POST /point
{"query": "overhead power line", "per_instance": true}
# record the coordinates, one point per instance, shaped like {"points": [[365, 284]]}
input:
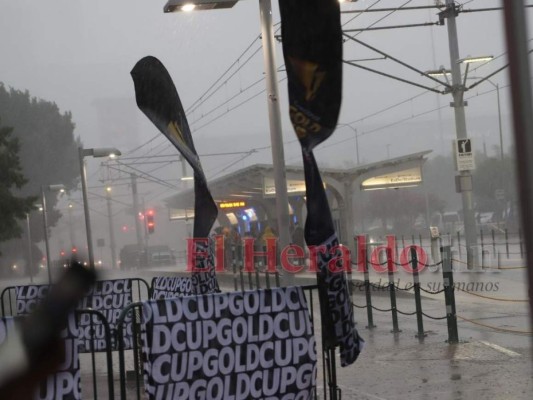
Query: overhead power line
{"points": [[379, 28]]}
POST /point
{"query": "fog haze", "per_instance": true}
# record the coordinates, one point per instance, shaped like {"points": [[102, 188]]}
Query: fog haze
{"points": [[79, 54]]}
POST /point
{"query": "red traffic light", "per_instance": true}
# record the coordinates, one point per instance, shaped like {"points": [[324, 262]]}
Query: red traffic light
{"points": [[150, 224]]}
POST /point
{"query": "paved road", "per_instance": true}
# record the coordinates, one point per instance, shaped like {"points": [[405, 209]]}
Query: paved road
{"points": [[492, 360]]}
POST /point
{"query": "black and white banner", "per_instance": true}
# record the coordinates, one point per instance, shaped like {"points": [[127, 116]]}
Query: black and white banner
{"points": [[109, 297], [239, 345], [312, 48], [167, 287], [158, 99], [28, 297], [65, 383]]}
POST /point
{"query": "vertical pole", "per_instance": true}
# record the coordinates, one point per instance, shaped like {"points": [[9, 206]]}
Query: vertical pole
{"points": [[482, 248], [449, 295], [356, 146], [499, 119], [111, 231], [278, 157], [136, 215], [71, 230], [459, 244], [392, 292], [519, 241], [520, 77], [83, 172], [46, 242], [30, 253], [364, 256], [460, 126], [507, 243], [418, 300]]}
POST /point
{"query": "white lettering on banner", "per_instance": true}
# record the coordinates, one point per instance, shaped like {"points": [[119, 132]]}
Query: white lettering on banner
{"points": [[333, 290], [164, 287], [109, 297], [240, 345], [27, 297]]}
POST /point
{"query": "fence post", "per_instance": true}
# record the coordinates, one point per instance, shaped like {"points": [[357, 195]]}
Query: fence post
{"points": [[368, 293], [507, 243], [449, 295], [234, 275], [418, 300], [520, 241], [392, 291], [459, 244]]}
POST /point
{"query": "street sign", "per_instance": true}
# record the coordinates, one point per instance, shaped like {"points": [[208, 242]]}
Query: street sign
{"points": [[464, 154]]}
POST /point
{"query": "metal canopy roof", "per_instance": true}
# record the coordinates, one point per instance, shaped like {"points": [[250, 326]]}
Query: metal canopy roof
{"points": [[247, 183]]}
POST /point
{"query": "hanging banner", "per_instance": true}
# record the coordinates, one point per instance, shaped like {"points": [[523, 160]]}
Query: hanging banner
{"points": [[167, 287], [312, 49], [158, 99], [239, 345], [66, 382]]}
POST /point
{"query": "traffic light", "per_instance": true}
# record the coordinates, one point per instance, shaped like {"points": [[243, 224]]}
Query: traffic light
{"points": [[150, 224]]}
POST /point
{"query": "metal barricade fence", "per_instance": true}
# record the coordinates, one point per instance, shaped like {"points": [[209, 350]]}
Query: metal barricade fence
{"points": [[8, 300], [92, 373], [109, 375], [132, 381], [387, 265]]}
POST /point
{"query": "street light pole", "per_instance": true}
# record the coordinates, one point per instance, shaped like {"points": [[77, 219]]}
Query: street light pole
{"points": [[276, 137], [111, 229], [86, 212], [30, 253], [136, 215], [460, 126], [356, 140], [499, 118], [82, 153], [46, 244]]}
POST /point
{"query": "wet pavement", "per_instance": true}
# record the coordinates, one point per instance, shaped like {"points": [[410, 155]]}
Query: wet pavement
{"points": [[491, 361]]}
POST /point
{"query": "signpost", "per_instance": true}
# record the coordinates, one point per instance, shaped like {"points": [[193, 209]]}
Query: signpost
{"points": [[464, 155]]}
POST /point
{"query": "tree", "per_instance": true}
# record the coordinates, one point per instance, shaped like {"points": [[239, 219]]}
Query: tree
{"points": [[495, 186], [400, 207], [12, 208], [48, 154]]}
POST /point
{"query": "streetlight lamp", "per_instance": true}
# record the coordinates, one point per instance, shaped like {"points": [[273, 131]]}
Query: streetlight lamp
{"points": [[110, 152], [276, 140], [59, 188], [469, 60]]}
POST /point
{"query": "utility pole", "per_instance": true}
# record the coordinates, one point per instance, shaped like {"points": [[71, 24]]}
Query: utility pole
{"points": [[136, 215], [276, 137], [458, 104], [71, 231], [30, 253], [112, 244]]}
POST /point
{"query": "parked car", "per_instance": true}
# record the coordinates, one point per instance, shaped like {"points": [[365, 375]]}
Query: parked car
{"points": [[161, 255]]}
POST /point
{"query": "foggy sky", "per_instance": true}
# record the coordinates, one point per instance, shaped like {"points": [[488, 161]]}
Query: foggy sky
{"points": [[79, 55]]}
